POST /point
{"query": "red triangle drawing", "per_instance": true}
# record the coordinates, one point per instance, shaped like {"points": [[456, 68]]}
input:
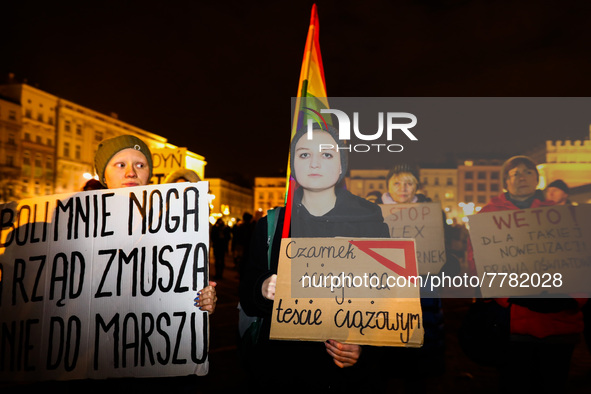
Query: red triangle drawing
{"points": [[410, 262]]}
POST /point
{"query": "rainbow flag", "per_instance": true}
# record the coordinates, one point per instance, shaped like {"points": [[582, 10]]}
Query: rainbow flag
{"points": [[311, 96]]}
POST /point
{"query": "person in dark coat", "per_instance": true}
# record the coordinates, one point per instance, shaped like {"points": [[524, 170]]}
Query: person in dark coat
{"points": [[219, 242], [320, 209], [543, 331], [403, 183]]}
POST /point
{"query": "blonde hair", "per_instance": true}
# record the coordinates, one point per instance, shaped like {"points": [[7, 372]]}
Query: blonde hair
{"points": [[405, 177]]}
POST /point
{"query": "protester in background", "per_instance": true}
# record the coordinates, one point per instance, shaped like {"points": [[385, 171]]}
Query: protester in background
{"points": [[373, 196], [457, 243], [558, 192], [403, 183], [182, 175], [92, 184], [219, 242], [319, 209], [126, 161], [241, 234], [543, 331]]}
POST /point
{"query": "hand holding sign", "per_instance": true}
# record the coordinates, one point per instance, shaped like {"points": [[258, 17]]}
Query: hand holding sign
{"points": [[268, 288], [343, 354], [207, 298]]}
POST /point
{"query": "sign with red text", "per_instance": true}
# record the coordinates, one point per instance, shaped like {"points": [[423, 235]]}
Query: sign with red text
{"points": [[422, 222], [533, 251], [359, 291], [101, 284]]}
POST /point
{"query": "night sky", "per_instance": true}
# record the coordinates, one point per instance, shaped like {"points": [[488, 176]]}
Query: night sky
{"points": [[218, 77]]}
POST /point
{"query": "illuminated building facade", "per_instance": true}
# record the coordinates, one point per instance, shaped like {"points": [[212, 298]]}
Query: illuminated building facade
{"points": [[269, 192], [567, 160], [364, 182], [50, 142], [478, 181], [10, 149], [441, 184], [228, 201]]}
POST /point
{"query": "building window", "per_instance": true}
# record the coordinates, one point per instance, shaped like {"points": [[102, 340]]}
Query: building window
{"points": [[481, 199], [494, 175], [469, 175], [450, 181], [10, 161], [67, 126], [481, 175], [39, 140], [66, 149], [98, 136], [38, 160], [469, 187], [77, 153], [28, 114], [425, 181], [436, 181], [481, 187], [469, 198], [11, 140], [49, 142], [26, 158], [12, 114], [50, 120], [40, 117], [494, 187], [27, 136], [78, 129], [48, 166], [37, 188]]}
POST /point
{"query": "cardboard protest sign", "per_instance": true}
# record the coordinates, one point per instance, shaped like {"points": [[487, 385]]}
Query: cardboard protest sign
{"points": [[166, 161], [359, 291], [533, 251], [101, 284], [424, 223]]}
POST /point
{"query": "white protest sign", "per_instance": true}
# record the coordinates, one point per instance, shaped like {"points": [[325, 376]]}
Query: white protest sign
{"points": [[166, 161], [101, 284], [424, 223], [361, 291], [530, 251]]}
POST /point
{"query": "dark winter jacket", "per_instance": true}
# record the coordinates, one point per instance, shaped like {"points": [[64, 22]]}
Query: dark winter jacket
{"points": [[351, 216]]}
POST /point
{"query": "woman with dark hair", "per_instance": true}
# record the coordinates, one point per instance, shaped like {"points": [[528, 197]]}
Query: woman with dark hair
{"points": [[320, 209], [543, 331]]}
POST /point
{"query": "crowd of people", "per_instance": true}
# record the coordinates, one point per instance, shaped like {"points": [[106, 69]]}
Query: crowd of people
{"points": [[542, 333]]}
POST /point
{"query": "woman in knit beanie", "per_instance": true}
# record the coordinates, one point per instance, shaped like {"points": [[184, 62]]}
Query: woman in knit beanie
{"points": [[123, 161], [126, 161]]}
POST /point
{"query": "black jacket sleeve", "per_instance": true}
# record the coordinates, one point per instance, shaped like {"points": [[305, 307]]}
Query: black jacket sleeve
{"points": [[255, 269]]}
